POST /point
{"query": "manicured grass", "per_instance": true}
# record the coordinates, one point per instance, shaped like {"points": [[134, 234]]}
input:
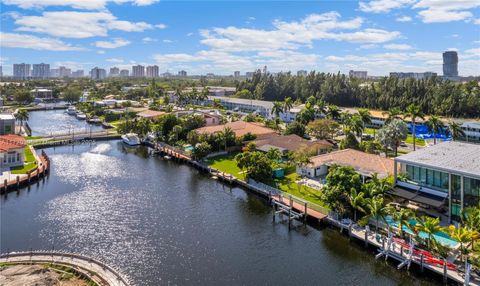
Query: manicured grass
{"points": [[418, 141], [227, 164], [30, 163], [34, 137], [369, 131]]}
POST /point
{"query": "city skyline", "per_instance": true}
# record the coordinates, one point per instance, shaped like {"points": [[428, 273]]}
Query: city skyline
{"points": [[379, 37]]}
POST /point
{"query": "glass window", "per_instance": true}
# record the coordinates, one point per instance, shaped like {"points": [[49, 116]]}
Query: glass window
{"points": [[471, 192]]}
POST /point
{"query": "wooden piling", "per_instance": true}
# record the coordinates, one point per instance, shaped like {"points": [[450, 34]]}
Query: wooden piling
{"points": [[305, 213], [445, 277], [421, 263], [366, 239]]}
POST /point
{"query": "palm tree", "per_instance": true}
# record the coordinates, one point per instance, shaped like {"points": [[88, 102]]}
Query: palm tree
{"points": [[274, 154], [228, 136], [287, 104], [365, 116], [356, 125], [435, 125], [357, 201], [414, 112], [462, 235], [22, 115], [429, 226], [377, 210], [455, 130], [333, 111], [393, 113], [402, 218], [277, 108], [321, 107]]}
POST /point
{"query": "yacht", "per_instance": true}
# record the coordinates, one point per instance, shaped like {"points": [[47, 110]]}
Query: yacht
{"points": [[131, 139], [81, 116], [71, 110]]}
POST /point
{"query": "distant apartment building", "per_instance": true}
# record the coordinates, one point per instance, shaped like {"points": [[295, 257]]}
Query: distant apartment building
{"points": [[114, 72], [40, 71], [236, 73], [249, 74], [21, 71], [302, 73], [77, 74], [210, 74], [97, 73], [166, 74], [358, 74], [54, 73], [414, 75], [64, 72], [450, 64], [1, 71], [124, 73], [182, 73], [152, 71], [138, 71]]}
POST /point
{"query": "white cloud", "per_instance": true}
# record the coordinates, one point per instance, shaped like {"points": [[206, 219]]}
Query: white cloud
{"points": [[77, 4], [368, 46], [148, 40], [115, 60], [12, 40], [72, 24], [190, 34], [397, 47], [438, 11], [161, 26], [382, 6], [442, 16], [404, 19], [167, 41], [477, 21], [100, 52], [116, 43]]}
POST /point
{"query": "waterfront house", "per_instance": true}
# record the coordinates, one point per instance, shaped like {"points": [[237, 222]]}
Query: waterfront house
{"points": [[12, 149], [42, 93], [7, 124], [445, 177], [292, 143], [364, 164], [240, 128], [151, 114]]}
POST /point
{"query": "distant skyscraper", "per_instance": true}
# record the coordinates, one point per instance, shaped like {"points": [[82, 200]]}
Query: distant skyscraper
{"points": [[152, 71], [182, 73], [64, 72], [114, 72], [138, 71], [98, 73], [54, 73], [302, 73], [236, 73], [78, 73], [124, 73], [41, 71], [249, 74], [450, 64], [358, 74], [1, 71], [21, 71]]}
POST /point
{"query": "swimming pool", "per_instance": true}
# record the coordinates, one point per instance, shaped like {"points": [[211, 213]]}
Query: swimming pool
{"points": [[441, 237]]}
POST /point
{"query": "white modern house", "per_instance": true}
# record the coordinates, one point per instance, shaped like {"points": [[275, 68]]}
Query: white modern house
{"points": [[445, 177], [472, 130]]}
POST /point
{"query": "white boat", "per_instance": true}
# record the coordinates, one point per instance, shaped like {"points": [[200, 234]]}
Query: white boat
{"points": [[131, 139], [166, 157], [95, 120], [71, 110], [81, 116]]}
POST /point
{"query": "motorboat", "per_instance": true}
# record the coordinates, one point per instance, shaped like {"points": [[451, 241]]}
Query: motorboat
{"points": [[95, 120], [71, 110], [81, 116], [131, 139]]}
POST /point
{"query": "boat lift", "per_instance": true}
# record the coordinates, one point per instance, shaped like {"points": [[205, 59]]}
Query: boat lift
{"points": [[281, 208]]}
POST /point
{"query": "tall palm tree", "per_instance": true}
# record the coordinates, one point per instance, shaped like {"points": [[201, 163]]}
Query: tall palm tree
{"points": [[393, 113], [402, 218], [435, 125], [356, 125], [333, 112], [462, 235], [429, 226], [274, 154], [413, 111], [357, 201], [228, 136], [277, 108], [321, 107], [365, 116], [287, 104], [22, 115], [376, 209], [455, 130]]}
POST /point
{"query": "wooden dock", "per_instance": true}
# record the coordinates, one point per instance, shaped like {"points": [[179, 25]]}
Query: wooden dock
{"points": [[301, 207]]}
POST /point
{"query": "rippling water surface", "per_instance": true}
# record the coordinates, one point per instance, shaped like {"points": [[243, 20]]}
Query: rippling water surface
{"points": [[49, 122], [166, 224]]}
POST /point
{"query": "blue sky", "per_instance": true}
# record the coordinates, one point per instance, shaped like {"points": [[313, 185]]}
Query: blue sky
{"points": [[223, 36]]}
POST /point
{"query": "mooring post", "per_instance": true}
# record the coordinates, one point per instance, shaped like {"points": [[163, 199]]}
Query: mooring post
{"points": [[421, 263], [366, 238], [5, 182], [289, 218], [401, 250], [305, 215], [18, 181], [274, 207], [29, 175], [383, 243], [350, 231], [445, 277]]}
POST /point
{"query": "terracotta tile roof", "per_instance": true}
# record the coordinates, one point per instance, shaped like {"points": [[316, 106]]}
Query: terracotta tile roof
{"points": [[151, 113], [291, 142], [362, 162], [239, 127], [11, 141]]}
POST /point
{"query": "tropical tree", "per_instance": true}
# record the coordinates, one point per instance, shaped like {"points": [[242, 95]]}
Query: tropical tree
{"points": [[435, 125], [274, 154], [414, 111], [333, 112], [455, 130], [295, 127], [321, 107], [287, 104], [376, 210], [392, 134], [201, 150], [462, 235], [341, 182], [323, 128], [357, 201], [23, 96], [256, 164], [429, 226], [402, 217], [365, 117], [22, 115], [277, 108], [392, 113]]}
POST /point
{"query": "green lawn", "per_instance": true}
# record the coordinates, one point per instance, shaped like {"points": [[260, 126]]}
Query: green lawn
{"points": [[33, 137], [30, 163], [418, 141], [227, 164]]}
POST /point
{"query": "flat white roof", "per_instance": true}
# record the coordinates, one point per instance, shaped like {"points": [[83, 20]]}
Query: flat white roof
{"points": [[262, 103], [7, 116], [451, 156]]}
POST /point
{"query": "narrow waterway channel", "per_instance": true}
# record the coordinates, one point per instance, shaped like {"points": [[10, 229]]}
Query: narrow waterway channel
{"points": [[163, 223]]}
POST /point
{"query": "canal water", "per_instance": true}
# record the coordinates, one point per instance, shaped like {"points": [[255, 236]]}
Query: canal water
{"points": [[164, 223], [51, 122]]}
